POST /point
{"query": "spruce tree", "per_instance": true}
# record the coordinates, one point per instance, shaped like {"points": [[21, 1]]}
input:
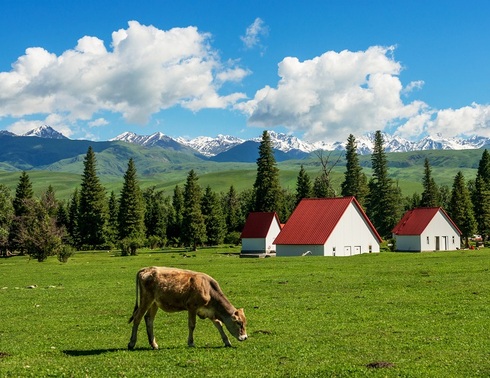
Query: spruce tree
{"points": [[461, 210], [92, 209], [112, 219], [22, 200], [303, 185], [355, 181], [267, 191], [72, 226], [233, 212], [430, 195], [174, 230], [131, 209], [193, 226], [23, 192], [157, 215], [384, 202], [6, 216], [214, 218], [480, 196]]}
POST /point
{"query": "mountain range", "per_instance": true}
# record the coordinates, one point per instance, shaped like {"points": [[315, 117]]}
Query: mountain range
{"points": [[226, 148]]}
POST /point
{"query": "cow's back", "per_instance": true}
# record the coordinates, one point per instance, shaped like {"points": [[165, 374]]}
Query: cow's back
{"points": [[175, 289]]}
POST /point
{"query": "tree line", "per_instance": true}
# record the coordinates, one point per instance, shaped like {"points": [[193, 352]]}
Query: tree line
{"points": [[193, 216]]}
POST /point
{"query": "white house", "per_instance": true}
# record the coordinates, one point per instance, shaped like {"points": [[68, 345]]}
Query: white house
{"points": [[259, 232], [327, 227], [426, 229]]}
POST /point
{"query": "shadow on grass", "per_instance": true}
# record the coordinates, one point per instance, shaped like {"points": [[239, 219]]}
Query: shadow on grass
{"points": [[96, 352], [91, 352]]}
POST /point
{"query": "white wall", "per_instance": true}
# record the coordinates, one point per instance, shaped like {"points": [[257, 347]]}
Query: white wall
{"points": [[438, 227], [253, 244], [351, 236], [408, 243], [263, 244], [298, 250]]}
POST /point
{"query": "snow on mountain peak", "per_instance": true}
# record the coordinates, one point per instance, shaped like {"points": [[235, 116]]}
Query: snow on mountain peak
{"points": [[45, 131]]}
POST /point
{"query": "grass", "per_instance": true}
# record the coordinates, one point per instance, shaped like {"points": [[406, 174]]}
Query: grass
{"points": [[380, 315]]}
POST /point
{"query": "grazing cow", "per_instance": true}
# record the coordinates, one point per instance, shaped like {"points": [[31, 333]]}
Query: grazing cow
{"points": [[173, 290]]}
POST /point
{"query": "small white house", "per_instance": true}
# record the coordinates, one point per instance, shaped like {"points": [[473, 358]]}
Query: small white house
{"points": [[259, 232], [426, 229], [328, 227]]}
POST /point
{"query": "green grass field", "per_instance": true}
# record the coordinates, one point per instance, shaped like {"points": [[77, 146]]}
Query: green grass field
{"points": [[378, 315]]}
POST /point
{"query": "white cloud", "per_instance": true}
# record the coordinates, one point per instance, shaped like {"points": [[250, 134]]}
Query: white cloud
{"points": [[98, 122], [147, 70], [465, 121], [253, 33], [333, 95], [55, 121]]}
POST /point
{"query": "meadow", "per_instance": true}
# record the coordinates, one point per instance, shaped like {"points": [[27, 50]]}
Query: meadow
{"points": [[374, 315]]}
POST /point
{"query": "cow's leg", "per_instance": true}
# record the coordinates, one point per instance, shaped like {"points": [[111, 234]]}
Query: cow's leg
{"points": [[137, 316], [149, 317], [219, 325], [192, 325]]}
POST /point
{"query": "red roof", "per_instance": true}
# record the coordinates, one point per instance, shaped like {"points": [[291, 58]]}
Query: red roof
{"points": [[416, 220], [258, 225], [314, 219]]}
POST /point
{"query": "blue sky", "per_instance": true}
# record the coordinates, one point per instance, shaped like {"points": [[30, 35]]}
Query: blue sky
{"points": [[320, 70]]}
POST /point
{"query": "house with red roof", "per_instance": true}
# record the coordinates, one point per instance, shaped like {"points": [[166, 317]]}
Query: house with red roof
{"points": [[426, 229], [328, 227], [259, 232]]}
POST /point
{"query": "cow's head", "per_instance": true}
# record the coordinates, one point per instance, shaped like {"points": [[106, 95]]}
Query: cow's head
{"points": [[236, 324]]}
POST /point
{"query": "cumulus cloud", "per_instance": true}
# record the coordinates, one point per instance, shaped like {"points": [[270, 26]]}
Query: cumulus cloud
{"points": [[333, 95], [253, 33], [145, 71], [55, 121]]}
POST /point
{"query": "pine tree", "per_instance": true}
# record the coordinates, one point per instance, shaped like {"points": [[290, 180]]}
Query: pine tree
{"points": [[22, 200], [193, 226], [48, 200], [303, 185], [72, 226], [384, 201], [112, 219], [157, 215], [92, 209], [23, 192], [430, 195], [267, 191], [214, 218], [355, 181], [131, 214], [233, 212], [480, 196], [6, 216], [461, 210], [174, 229]]}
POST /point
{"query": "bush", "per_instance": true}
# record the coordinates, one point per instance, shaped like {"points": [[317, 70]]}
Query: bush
{"points": [[65, 253], [233, 238], [129, 246]]}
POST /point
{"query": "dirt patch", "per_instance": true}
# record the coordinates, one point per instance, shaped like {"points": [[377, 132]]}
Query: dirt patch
{"points": [[380, 365], [4, 354]]}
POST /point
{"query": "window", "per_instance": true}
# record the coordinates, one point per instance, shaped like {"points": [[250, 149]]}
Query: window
{"points": [[453, 239], [428, 240]]}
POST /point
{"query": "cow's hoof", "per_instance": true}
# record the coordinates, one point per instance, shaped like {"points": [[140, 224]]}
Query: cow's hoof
{"points": [[155, 346], [130, 347]]}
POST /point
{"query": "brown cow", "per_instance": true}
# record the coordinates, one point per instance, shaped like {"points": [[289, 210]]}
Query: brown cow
{"points": [[173, 290]]}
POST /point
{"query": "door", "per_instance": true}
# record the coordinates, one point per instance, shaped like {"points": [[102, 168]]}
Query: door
{"points": [[347, 251], [438, 243], [357, 250]]}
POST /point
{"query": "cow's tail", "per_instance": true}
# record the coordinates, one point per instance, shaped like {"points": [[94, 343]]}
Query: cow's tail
{"points": [[137, 295]]}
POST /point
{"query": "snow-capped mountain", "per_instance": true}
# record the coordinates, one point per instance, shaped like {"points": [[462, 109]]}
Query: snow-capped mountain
{"points": [[289, 144], [45, 131], [208, 146]]}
